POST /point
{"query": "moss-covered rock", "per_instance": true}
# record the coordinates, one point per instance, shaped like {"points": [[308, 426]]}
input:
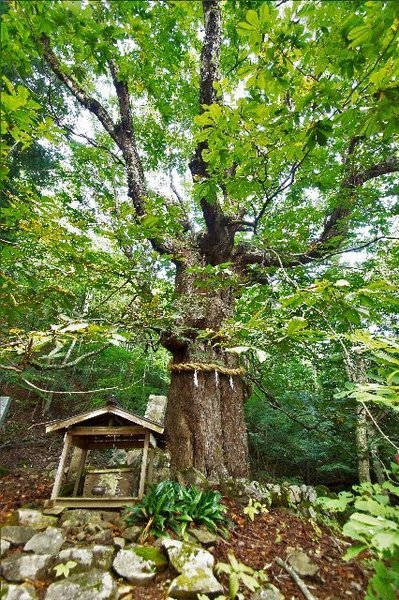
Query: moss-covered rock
{"points": [[192, 477], [194, 581], [134, 568], [9, 591], [153, 554], [34, 518], [16, 534], [94, 585], [184, 554]]}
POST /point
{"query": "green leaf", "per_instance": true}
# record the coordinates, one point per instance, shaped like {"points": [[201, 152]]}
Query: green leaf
{"points": [[296, 324], [234, 585], [264, 14], [354, 551], [386, 539], [252, 18], [64, 568]]}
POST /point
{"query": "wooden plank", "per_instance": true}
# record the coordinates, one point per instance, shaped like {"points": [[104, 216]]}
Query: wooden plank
{"points": [[75, 419], [128, 430], [92, 444], [144, 465], [79, 502], [80, 472], [131, 417], [147, 423], [61, 466], [150, 475], [153, 441], [111, 470]]}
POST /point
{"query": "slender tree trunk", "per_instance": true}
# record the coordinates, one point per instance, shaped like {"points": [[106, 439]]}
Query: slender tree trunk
{"points": [[374, 452], [357, 374], [362, 448]]}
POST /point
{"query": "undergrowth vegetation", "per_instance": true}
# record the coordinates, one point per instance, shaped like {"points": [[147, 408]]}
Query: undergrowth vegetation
{"points": [[170, 505], [372, 512]]}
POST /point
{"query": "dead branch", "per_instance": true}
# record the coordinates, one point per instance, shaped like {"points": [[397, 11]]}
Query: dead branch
{"points": [[300, 583]]}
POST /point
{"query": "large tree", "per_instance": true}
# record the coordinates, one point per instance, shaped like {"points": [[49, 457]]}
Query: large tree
{"points": [[284, 114]]}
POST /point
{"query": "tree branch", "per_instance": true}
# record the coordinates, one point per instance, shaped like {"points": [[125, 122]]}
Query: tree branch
{"points": [[80, 94], [218, 241], [127, 143], [72, 363], [335, 225], [300, 583], [210, 56]]}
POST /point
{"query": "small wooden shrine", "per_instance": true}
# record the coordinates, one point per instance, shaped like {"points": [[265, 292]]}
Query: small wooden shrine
{"points": [[106, 427]]}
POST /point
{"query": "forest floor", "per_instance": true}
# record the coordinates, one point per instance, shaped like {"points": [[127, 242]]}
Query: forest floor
{"points": [[257, 544]]}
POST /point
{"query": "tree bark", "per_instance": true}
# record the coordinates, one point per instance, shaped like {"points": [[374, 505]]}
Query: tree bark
{"points": [[362, 448], [205, 415], [357, 374]]}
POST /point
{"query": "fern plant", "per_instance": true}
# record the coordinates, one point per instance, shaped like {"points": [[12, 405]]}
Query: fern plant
{"points": [[169, 505]]}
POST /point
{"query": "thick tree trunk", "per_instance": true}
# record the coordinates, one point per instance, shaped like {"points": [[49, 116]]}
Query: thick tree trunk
{"points": [[205, 417]]}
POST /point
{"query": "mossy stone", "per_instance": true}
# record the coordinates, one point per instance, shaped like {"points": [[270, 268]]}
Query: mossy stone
{"points": [[153, 554], [195, 581]]}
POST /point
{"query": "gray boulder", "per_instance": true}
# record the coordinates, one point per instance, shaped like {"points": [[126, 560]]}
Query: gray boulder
{"points": [[83, 557], [26, 566], [183, 554], [87, 559], [204, 537], [302, 564], [4, 546], [94, 585], [194, 581], [34, 518], [139, 564], [17, 592], [131, 534], [16, 535], [46, 542], [269, 592]]}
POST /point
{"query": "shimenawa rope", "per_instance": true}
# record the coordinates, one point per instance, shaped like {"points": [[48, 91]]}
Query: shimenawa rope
{"points": [[206, 368]]}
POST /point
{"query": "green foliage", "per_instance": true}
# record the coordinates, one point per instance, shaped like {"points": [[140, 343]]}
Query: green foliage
{"points": [[239, 575], [374, 525], [64, 568], [254, 507], [168, 505]]}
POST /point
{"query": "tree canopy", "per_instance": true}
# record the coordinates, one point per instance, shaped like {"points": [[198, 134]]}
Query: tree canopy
{"points": [[193, 174]]}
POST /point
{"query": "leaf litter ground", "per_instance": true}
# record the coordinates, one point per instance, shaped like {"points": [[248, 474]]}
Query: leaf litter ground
{"points": [[257, 544]]}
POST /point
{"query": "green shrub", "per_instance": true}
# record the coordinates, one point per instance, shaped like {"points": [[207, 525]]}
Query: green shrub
{"points": [[169, 505], [374, 525]]}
